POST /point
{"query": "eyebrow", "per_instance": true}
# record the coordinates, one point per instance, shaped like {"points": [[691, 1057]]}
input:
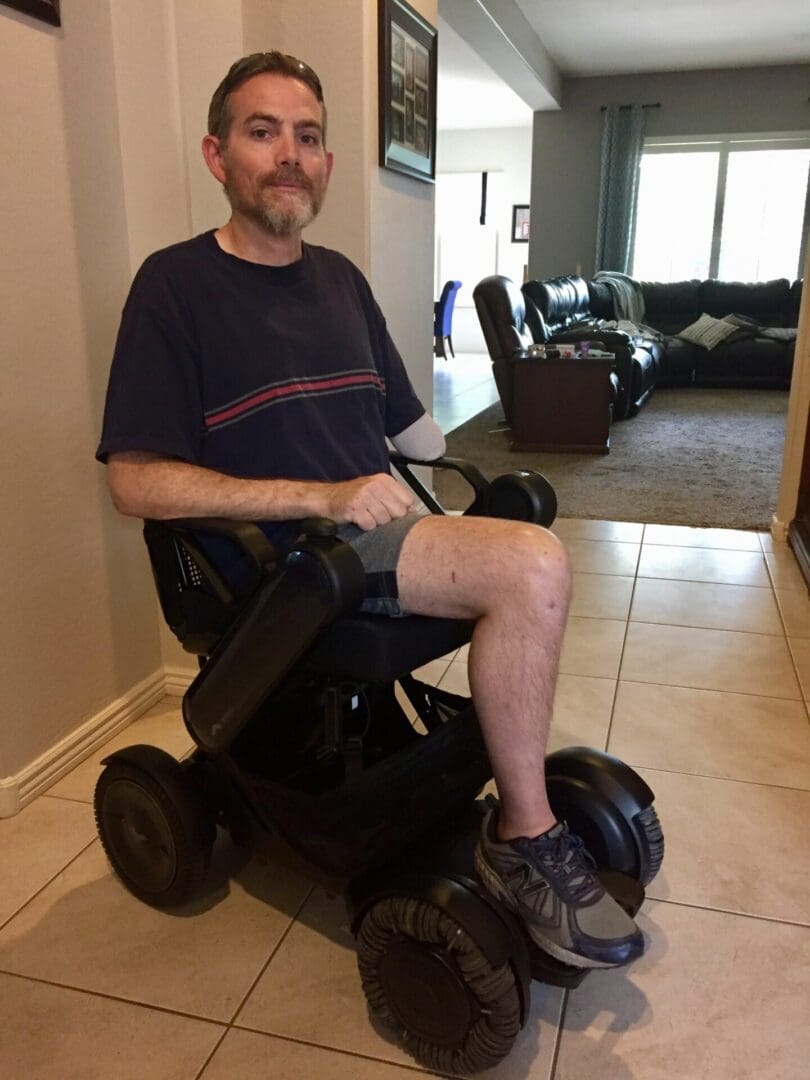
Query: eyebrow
{"points": [[271, 119]]}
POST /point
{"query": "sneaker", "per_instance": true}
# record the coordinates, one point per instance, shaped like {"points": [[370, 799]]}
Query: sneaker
{"points": [[550, 882]]}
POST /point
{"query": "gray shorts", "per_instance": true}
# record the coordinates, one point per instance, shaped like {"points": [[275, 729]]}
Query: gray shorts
{"points": [[379, 552]]}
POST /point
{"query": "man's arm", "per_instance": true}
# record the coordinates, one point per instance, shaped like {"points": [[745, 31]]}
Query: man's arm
{"points": [[149, 486]]}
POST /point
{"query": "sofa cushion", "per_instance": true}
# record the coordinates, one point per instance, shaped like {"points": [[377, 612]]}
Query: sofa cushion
{"points": [[561, 300], [601, 300], [708, 332], [676, 366], [768, 302], [754, 362], [671, 305]]}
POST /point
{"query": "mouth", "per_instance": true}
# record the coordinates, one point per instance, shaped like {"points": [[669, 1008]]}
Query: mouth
{"points": [[288, 183]]}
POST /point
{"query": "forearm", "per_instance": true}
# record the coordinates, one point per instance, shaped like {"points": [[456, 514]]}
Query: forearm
{"points": [[146, 486]]}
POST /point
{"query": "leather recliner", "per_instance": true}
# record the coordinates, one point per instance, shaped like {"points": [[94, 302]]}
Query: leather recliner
{"points": [[502, 314], [558, 312]]}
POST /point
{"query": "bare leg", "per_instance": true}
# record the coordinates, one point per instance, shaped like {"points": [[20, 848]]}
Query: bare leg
{"points": [[515, 580]]}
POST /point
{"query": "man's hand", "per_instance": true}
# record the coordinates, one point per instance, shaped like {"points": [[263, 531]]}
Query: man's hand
{"points": [[368, 501]]}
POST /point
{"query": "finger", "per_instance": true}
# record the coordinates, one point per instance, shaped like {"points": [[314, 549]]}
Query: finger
{"points": [[364, 520]]}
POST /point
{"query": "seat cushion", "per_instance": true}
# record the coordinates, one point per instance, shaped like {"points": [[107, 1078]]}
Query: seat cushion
{"points": [[669, 306], [751, 362], [376, 648], [767, 302]]}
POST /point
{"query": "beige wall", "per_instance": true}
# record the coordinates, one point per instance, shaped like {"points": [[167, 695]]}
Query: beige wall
{"points": [[78, 626], [102, 166]]}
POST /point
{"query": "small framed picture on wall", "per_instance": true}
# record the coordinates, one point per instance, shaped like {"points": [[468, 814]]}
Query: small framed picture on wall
{"points": [[520, 224]]}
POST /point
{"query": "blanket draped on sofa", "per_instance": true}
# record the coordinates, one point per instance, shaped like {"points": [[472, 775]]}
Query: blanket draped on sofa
{"points": [[628, 298]]}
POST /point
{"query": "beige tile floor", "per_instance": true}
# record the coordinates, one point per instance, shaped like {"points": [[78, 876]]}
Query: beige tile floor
{"points": [[688, 655]]}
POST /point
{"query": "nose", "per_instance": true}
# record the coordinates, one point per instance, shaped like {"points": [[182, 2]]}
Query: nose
{"points": [[287, 148]]}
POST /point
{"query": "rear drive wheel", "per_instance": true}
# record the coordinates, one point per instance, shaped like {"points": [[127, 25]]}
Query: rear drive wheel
{"points": [[156, 831]]}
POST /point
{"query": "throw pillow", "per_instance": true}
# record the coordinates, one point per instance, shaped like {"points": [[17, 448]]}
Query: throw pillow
{"points": [[707, 332]]}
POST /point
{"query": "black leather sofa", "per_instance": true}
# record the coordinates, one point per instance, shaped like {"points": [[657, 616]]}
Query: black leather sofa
{"points": [[759, 355]]}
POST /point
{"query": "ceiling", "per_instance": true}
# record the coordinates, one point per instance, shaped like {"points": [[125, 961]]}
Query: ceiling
{"points": [[470, 94], [600, 37]]}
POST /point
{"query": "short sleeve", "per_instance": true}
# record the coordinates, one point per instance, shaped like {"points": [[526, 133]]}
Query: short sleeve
{"points": [[154, 400]]}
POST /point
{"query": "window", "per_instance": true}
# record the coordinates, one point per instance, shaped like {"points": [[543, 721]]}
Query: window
{"points": [[728, 208]]}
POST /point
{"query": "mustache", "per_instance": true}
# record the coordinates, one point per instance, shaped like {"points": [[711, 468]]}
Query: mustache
{"points": [[290, 175]]}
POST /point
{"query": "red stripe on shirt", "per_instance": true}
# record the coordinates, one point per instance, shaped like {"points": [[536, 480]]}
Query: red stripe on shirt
{"points": [[293, 388]]}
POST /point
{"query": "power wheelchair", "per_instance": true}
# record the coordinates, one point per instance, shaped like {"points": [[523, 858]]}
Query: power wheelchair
{"points": [[304, 747]]}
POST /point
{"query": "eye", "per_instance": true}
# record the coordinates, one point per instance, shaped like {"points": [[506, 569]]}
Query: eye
{"points": [[260, 133], [310, 139]]}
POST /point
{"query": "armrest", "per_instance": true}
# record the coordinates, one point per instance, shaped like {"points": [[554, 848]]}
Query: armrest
{"points": [[245, 534], [473, 475]]}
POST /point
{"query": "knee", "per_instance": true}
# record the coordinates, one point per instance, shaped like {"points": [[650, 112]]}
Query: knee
{"points": [[539, 568]]}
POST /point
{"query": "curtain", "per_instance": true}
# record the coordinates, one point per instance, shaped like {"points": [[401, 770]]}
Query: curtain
{"points": [[622, 140]]}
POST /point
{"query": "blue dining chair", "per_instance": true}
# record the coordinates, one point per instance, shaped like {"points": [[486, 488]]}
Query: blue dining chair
{"points": [[443, 319]]}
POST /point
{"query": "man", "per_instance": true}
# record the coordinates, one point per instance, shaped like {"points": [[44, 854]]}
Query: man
{"points": [[254, 379]]}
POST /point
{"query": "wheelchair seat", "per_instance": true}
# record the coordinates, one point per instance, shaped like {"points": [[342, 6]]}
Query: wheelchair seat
{"points": [[200, 606]]}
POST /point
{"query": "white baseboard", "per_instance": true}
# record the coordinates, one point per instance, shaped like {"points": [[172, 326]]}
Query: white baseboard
{"points": [[177, 680], [779, 529], [19, 790]]}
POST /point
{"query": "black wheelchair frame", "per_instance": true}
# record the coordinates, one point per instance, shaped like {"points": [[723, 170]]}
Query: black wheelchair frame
{"points": [[301, 738]]}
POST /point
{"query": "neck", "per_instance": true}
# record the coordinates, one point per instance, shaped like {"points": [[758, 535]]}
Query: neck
{"points": [[248, 240]]}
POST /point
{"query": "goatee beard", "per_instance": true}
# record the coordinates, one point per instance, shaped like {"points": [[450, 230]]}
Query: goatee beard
{"points": [[286, 216]]}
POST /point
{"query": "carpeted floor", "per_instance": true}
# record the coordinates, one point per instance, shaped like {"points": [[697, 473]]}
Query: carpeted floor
{"points": [[691, 457]]}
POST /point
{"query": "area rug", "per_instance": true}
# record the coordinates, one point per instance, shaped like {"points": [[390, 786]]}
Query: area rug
{"points": [[691, 457]]}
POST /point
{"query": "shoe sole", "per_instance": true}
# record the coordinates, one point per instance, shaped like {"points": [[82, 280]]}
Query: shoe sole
{"points": [[499, 890]]}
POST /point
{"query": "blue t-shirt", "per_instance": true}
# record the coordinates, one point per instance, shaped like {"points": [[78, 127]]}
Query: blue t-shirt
{"points": [[256, 371]]}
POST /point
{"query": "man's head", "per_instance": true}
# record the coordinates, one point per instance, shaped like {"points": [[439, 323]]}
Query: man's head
{"points": [[267, 63], [265, 142]]}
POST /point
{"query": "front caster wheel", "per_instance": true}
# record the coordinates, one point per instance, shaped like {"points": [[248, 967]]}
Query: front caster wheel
{"points": [[155, 829], [424, 976]]}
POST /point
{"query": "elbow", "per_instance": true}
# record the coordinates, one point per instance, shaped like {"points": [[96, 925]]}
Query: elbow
{"points": [[122, 500], [125, 491]]}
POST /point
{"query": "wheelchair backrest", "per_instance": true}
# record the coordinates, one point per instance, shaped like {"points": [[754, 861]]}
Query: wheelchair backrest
{"points": [[196, 601]]}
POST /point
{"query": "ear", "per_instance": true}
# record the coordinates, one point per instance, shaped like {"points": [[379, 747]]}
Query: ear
{"points": [[212, 152], [330, 161]]}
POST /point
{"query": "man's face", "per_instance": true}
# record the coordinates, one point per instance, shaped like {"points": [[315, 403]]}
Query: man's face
{"points": [[274, 166]]}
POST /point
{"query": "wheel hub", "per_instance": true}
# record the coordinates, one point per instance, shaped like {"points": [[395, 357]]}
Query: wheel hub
{"points": [[139, 836], [427, 993]]}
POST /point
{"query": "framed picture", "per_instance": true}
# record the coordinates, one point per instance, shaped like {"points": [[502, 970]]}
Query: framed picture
{"points": [[47, 10], [407, 57], [520, 224]]}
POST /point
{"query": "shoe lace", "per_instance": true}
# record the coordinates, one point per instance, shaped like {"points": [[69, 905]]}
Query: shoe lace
{"points": [[567, 858]]}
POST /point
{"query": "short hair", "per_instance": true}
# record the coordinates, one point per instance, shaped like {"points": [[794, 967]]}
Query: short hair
{"points": [[273, 63]]}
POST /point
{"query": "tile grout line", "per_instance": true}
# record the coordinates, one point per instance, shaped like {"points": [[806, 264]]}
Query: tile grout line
{"points": [[711, 776], [272, 955], [559, 1034], [345, 1053], [775, 920], [624, 641], [113, 997], [689, 686], [50, 881], [229, 1024]]}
